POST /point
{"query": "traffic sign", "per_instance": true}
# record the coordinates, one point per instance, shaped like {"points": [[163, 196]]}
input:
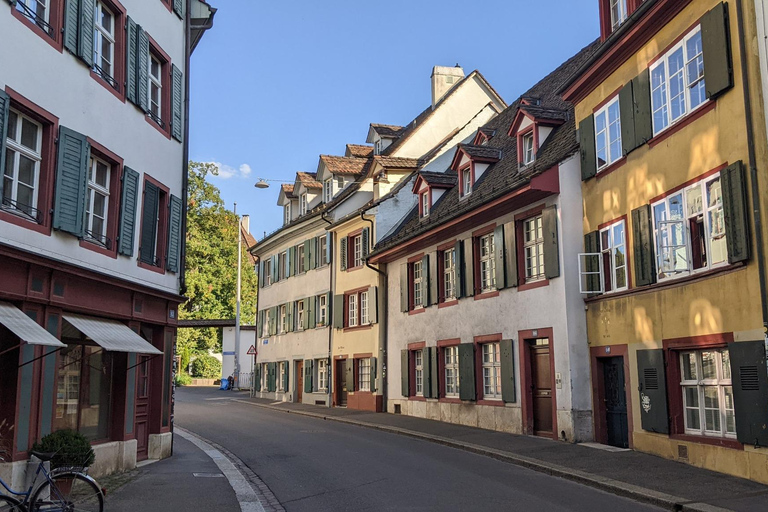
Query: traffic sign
{"points": [[251, 351]]}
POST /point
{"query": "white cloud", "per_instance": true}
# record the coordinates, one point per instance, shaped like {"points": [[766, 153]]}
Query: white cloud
{"points": [[226, 172]]}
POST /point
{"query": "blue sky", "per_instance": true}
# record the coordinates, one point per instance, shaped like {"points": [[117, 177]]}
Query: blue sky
{"points": [[276, 84]]}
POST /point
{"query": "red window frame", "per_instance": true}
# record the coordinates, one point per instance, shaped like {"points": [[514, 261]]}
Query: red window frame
{"points": [[412, 349], [411, 294], [113, 209], [520, 219], [426, 192], [165, 95], [476, 235], [118, 63], [605, 15], [351, 250], [442, 300], [55, 20], [471, 166], [162, 226], [356, 292], [533, 128], [441, 384], [479, 341]]}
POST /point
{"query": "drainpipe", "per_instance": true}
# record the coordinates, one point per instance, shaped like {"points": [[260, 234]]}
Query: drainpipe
{"points": [[330, 369]]}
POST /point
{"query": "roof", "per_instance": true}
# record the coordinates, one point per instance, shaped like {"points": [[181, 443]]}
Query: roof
{"points": [[288, 190], [249, 242], [346, 165], [438, 179], [392, 162], [543, 113], [359, 150], [486, 152], [387, 130], [308, 179], [504, 176]]}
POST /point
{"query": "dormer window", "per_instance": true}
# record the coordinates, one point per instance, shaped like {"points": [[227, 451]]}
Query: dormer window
{"points": [[529, 153], [618, 13], [287, 213], [340, 182], [327, 190], [303, 204], [466, 182], [425, 204], [377, 147]]}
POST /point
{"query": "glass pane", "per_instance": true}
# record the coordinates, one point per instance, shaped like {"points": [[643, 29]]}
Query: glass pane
{"points": [[106, 20], [9, 161], [689, 366], [711, 398], [693, 201], [659, 98], [692, 396], [25, 198], [94, 412], [712, 418], [29, 134], [26, 171], [692, 419], [12, 118], [676, 84], [68, 389], [730, 416], [621, 277], [709, 365], [98, 226], [726, 364], [99, 204]]}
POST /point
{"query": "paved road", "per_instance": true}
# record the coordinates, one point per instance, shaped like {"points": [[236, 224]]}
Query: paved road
{"points": [[315, 465]]}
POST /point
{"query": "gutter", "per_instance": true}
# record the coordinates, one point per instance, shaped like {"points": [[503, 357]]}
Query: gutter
{"points": [[329, 319], [383, 324], [185, 150]]}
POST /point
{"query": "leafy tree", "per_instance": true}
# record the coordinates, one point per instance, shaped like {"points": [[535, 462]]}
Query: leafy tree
{"points": [[211, 266], [206, 367]]}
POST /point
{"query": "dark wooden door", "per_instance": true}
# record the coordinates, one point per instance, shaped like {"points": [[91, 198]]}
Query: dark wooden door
{"points": [[541, 382], [141, 418], [299, 380], [615, 400], [341, 382]]}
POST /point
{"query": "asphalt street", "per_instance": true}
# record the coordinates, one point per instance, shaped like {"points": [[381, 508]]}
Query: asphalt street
{"points": [[316, 465]]}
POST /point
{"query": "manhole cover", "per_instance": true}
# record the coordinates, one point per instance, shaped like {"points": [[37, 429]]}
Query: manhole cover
{"points": [[207, 475]]}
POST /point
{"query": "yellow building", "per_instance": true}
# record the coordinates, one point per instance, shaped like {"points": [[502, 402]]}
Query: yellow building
{"points": [[672, 270]]}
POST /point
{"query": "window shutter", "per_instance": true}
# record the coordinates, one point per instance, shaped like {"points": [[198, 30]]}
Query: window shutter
{"points": [[373, 304], [653, 391], [508, 388], [272, 321], [551, 248], [285, 377], [131, 60], [467, 371], [343, 253], [351, 374], [364, 239], [71, 182], [642, 234], [174, 234], [259, 323], [85, 29], [459, 249], [338, 311], [750, 391], [427, 279], [5, 104], [128, 205], [257, 378], [468, 271], [587, 147], [142, 87], [434, 279], [404, 373], [262, 278], [271, 377], [498, 255], [716, 47], [178, 8], [373, 374], [434, 372], [177, 91], [328, 247], [426, 376], [404, 288], [510, 254], [310, 254], [627, 117], [641, 98], [308, 373], [310, 306], [290, 316], [149, 223], [71, 23], [736, 211], [592, 246], [290, 262], [305, 317], [275, 269]]}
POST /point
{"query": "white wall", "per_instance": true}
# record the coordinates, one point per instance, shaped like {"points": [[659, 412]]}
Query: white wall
{"points": [[245, 361]]}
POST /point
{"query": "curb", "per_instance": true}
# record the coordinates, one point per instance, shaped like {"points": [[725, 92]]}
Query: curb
{"points": [[606, 484]]}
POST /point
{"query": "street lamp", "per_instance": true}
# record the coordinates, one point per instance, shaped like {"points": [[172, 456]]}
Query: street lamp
{"points": [[237, 307], [263, 182]]}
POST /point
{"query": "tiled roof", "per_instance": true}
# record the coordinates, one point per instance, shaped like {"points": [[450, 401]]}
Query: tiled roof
{"points": [[387, 130], [481, 152], [392, 162], [504, 176], [288, 190], [553, 114], [358, 150], [249, 242], [438, 179], [308, 180], [488, 132], [346, 165]]}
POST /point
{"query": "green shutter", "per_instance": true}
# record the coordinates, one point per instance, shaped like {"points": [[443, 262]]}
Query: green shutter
{"points": [[257, 378], [5, 105], [404, 373], [310, 254], [275, 271], [459, 249], [309, 311], [434, 278], [271, 377], [498, 255], [71, 182], [434, 372], [750, 391], [373, 375], [654, 414], [592, 246], [736, 212], [351, 374], [85, 29], [373, 304], [142, 92], [259, 324], [468, 270], [426, 280], [343, 254], [364, 239], [177, 92], [290, 316], [71, 23], [510, 254], [174, 234], [128, 206], [627, 117], [290, 262], [404, 285], [308, 373], [149, 217], [643, 246], [587, 147], [285, 376], [328, 247], [178, 8], [131, 60], [338, 311], [641, 97], [467, 371], [551, 246], [426, 377], [305, 319], [508, 388], [716, 47]]}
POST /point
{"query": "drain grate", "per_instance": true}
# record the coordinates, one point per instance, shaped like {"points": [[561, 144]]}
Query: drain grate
{"points": [[208, 475]]}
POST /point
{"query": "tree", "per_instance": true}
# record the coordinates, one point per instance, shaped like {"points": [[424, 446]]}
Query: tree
{"points": [[211, 266]]}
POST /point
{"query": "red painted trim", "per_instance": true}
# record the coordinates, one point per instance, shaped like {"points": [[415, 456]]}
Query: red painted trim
{"points": [[165, 78], [628, 254], [447, 304], [520, 219], [447, 245], [357, 290], [417, 257], [449, 343], [341, 357], [608, 99], [540, 283], [610, 168], [417, 311], [480, 137], [417, 345], [417, 398], [491, 402], [719, 340], [478, 341], [598, 391], [520, 146], [691, 181], [358, 328], [487, 338], [526, 377], [487, 295], [362, 356], [484, 230], [605, 20], [531, 212], [118, 64], [682, 123], [54, 20]]}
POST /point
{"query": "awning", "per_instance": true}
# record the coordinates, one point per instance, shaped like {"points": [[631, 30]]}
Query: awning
{"points": [[25, 328], [111, 335]]}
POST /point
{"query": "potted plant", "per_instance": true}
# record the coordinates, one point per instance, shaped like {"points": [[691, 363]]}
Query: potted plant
{"points": [[72, 452]]}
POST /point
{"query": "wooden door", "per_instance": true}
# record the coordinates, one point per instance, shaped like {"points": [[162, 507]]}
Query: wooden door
{"points": [[541, 385], [141, 417], [299, 381], [341, 382], [615, 400]]}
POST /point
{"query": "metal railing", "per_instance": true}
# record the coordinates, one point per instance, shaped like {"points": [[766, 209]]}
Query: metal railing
{"points": [[101, 240], [243, 380], [21, 209], [32, 15], [106, 76], [156, 119]]}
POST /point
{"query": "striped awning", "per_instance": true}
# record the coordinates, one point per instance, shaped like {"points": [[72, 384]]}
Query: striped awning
{"points": [[25, 328], [111, 335]]}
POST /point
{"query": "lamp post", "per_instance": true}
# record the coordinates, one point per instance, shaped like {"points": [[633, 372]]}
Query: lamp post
{"points": [[237, 306]]}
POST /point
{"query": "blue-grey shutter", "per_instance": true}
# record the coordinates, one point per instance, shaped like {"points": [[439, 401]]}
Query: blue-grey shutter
{"points": [[459, 268], [551, 246], [716, 49], [468, 270], [654, 414], [142, 86], [587, 147], [328, 247], [71, 182], [736, 212], [178, 8], [642, 234], [426, 279], [364, 239], [405, 358], [131, 60], [338, 311], [85, 29], [174, 234], [750, 391], [177, 88], [373, 304], [149, 215], [71, 24], [308, 374], [343, 253], [404, 288], [128, 205], [508, 388], [510, 255], [467, 389], [5, 105], [498, 254]]}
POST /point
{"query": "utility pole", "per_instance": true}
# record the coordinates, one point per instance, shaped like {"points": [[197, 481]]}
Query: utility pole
{"points": [[237, 310]]}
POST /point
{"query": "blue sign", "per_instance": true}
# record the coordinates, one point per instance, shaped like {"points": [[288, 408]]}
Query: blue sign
{"points": [[228, 353], [265, 342]]}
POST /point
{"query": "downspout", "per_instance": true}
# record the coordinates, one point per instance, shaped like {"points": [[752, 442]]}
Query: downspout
{"points": [[752, 165], [330, 368], [382, 318], [185, 146]]}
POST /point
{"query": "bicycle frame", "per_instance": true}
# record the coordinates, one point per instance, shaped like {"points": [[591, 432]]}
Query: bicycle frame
{"points": [[26, 495]]}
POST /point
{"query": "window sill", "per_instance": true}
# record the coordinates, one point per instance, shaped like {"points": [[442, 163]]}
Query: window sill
{"points": [[24, 223], [449, 400], [487, 295], [491, 402], [533, 284], [153, 123], [85, 244], [154, 268], [417, 398], [358, 328], [447, 303], [352, 269], [683, 122], [610, 168], [416, 311], [117, 94], [714, 441]]}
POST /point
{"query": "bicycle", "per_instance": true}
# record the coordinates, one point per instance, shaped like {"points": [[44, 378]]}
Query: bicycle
{"points": [[64, 489]]}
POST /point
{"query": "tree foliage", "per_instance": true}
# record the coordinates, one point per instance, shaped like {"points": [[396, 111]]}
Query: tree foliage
{"points": [[206, 367]]}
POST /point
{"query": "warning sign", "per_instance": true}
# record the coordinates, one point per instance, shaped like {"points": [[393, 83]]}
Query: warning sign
{"points": [[251, 351]]}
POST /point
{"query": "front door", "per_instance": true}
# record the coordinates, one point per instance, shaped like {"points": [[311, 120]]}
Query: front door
{"points": [[141, 418], [615, 400], [299, 380], [541, 387], [341, 382]]}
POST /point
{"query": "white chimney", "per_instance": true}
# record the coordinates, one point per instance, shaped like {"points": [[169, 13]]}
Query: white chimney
{"points": [[443, 80], [245, 222]]}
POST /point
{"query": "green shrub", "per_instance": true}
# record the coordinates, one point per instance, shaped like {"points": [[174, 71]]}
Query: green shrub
{"points": [[183, 379], [206, 367], [72, 449]]}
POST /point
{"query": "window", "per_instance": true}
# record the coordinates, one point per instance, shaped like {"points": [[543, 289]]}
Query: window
{"points": [[364, 319], [608, 134], [357, 251], [466, 182], [707, 393], [38, 11], [352, 310], [689, 228], [613, 249], [303, 204], [104, 43], [364, 374], [265, 325], [677, 82], [264, 376], [418, 284], [528, 150], [618, 13], [340, 182], [323, 250], [283, 320], [451, 355], [449, 274], [154, 224], [322, 309], [301, 259], [425, 204], [491, 371], [267, 272], [300, 315], [287, 213], [328, 190], [281, 369], [23, 156], [282, 266], [377, 147], [155, 89], [97, 201], [487, 263], [322, 374], [418, 360], [533, 247]]}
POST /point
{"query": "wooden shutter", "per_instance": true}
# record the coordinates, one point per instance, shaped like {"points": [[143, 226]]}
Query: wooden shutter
{"points": [[257, 378], [551, 247], [467, 371], [85, 28], [177, 91], [750, 391], [510, 255], [131, 60], [310, 254], [508, 388], [587, 147], [174, 234], [643, 246], [627, 116], [71, 182], [130, 200], [338, 311], [310, 306], [404, 373], [5, 105], [498, 255], [259, 324], [328, 247], [426, 279], [654, 414], [178, 8], [308, 374], [290, 316], [364, 241], [434, 278], [736, 211], [716, 47], [426, 372], [271, 377], [468, 257], [641, 97], [285, 376], [404, 288], [272, 321], [373, 304], [459, 267], [149, 223], [373, 374], [343, 253], [350, 377], [71, 24], [592, 246], [142, 87], [434, 372]]}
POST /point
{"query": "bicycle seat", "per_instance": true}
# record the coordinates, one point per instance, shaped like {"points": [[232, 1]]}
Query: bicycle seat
{"points": [[44, 456]]}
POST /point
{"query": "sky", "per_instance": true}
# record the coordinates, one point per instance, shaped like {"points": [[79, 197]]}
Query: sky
{"points": [[276, 84]]}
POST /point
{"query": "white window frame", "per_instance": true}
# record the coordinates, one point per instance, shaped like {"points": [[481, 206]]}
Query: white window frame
{"points": [[418, 284], [533, 249], [466, 177], [100, 34], [357, 251], [267, 271], [605, 113], [722, 382], [352, 310], [529, 154], [287, 213], [303, 204], [323, 250], [610, 230], [584, 274], [93, 190], [364, 374], [322, 375], [449, 274], [34, 5], [618, 9], [418, 365], [300, 315], [487, 263], [264, 376], [282, 266], [322, 309], [328, 190], [283, 327], [364, 317], [491, 371], [300, 259], [156, 108], [424, 197], [19, 150], [265, 324], [340, 183], [377, 147], [451, 371], [281, 376]]}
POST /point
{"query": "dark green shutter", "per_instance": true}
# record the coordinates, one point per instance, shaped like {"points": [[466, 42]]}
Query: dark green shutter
{"points": [[5, 105], [149, 223], [426, 372], [373, 374], [365, 239], [142, 92], [587, 147], [290, 267], [259, 324], [177, 88], [468, 270], [178, 8], [350, 377], [510, 254], [131, 60], [434, 372], [467, 389], [310, 254], [750, 391], [404, 373], [459, 268], [736, 212], [592, 264], [290, 317], [641, 97], [338, 311], [499, 260], [271, 377], [404, 286], [285, 377], [328, 247], [434, 278], [128, 206], [174, 234], [716, 47], [654, 414], [308, 374], [343, 253], [627, 116], [373, 304], [426, 279], [508, 388], [643, 246], [71, 182], [85, 29], [551, 246], [257, 378], [310, 306], [71, 24]]}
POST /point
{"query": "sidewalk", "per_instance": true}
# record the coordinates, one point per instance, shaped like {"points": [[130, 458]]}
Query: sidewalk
{"points": [[669, 484]]}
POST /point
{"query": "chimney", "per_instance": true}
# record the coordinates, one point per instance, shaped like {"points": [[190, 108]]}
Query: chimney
{"points": [[443, 80], [245, 222]]}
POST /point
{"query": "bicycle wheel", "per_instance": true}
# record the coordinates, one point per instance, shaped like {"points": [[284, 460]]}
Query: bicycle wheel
{"points": [[70, 492], [8, 504]]}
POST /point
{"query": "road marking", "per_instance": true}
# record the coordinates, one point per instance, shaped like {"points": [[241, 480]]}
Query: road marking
{"points": [[220, 398], [208, 475]]}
